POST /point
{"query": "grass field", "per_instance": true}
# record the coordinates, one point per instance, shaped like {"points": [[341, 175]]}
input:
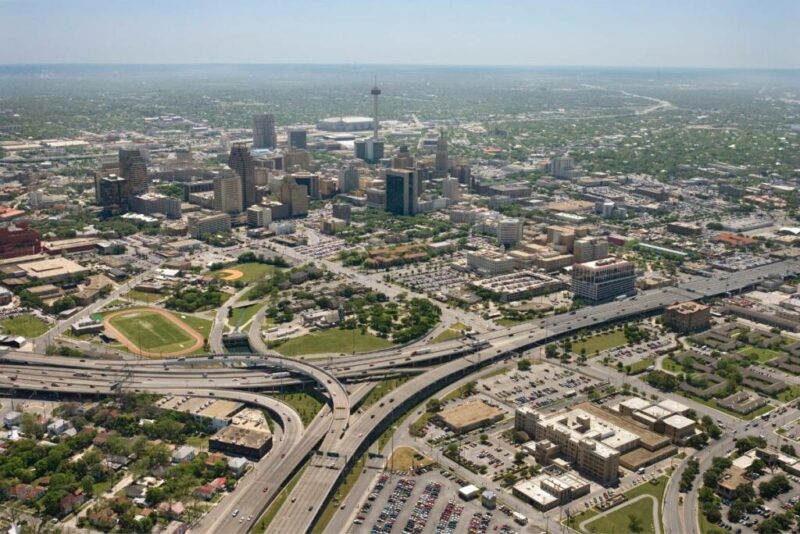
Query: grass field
{"points": [[152, 332], [642, 365], [405, 458], [143, 296], [332, 340], [307, 405], [452, 332], [383, 387], [617, 520], [763, 355], [252, 272], [600, 342], [790, 393], [242, 316], [198, 324], [23, 325]]}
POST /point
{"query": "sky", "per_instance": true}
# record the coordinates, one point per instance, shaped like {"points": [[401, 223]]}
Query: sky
{"points": [[619, 33]]}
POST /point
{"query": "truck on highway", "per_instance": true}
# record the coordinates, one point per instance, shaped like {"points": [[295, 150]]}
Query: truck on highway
{"points": [[419, 352], [282, 374]]}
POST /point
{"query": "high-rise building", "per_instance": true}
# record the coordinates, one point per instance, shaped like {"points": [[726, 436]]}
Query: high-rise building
{"points": [[401, 191], [509, 231], [228, 193], [310, 182], [374, 150], [342, 211], [264, 131], [590, 249], [297, 138], [563, 167], [295, 196], [375, 124], [110, 190], [296, 157], [360, 149], [441, 163], [152, 202], [241, 161], [451, 188], [348, 178], [133, 167], [463, 172], [259, 216], [403, 159], [601, 280], [202, 225]]}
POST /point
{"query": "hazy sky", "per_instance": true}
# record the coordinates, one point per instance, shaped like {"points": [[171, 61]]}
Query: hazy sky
{"points": [[655, 33]]}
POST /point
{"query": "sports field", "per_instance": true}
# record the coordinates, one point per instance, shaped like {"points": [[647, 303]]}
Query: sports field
{"points": [[153, 332], [244, 272], [23, 325]]}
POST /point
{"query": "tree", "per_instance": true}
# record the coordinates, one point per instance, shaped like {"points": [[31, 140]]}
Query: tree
{"points": [[433, 405], [520, 436], [524, 365], [635, 524], [550, 351], [519, 457]]}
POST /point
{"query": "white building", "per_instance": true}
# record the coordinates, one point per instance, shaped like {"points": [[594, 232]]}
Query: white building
{"points": [[259, 216], [509, 231]]}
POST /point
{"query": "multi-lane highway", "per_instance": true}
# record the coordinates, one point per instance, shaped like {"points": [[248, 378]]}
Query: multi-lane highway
{"points": [[340, 441]]}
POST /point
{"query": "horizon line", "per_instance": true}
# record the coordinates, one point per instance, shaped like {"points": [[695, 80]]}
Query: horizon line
{"points": [[378, 64]]}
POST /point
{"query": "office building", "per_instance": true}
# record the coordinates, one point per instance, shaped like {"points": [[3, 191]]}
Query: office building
{"points": [[490, 262], [241, 161], [294, 196], [601, 280], [348, 179], [110, 191], [264, 131], [401, 191], [228, 193], [259, 216], [151, 203], [310, 182], [589, 249], [19, 240], [360, 149], [296, 158], [451, 189], [563, 167], [201, 225], [592, 444], [403, 159], [373, 151], [343, 212], [509, 231], [463, 172], [297, 138], [441, 162], [687, 317], [133, 167]]}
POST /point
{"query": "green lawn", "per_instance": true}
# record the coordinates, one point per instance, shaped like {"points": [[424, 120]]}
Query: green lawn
{"points": [[619, 518], [201, 442], [151, 332], [307, 405], [23, 325], [790, 393], [332, 340], [198, 324], [253, 272], [668, 364], [600, 342], [642, 365], [242, 316], [763, 355], [383, 387], [452, 332], [144, 296]]}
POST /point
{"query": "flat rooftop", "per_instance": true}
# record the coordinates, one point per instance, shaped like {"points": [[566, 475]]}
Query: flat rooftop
{"points": [[469, 413]]}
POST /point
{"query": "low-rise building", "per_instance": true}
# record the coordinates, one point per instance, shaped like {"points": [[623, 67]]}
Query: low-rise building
{"points": [[686, 317]]}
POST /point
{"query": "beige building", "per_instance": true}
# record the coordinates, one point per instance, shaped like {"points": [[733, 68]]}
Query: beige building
{"points": [[228, 193], [687, 317]]}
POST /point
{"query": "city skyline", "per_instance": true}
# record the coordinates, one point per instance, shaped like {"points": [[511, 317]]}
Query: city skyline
{"points": [[617, 34]]}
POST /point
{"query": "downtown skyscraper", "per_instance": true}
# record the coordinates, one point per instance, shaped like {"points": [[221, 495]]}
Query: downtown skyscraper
{"points": [[264, 135]]}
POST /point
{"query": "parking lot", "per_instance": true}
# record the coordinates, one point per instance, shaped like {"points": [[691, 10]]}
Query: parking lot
{"points": [[324, 247], [778, 505], [543, 385], [427, 502], [433, 277]]}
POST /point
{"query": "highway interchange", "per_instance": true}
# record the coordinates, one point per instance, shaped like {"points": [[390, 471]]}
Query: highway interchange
{"points": [[338, 435]]}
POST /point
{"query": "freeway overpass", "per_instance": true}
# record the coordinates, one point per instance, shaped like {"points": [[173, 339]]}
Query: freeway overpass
{"points": [[341, 443]]}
